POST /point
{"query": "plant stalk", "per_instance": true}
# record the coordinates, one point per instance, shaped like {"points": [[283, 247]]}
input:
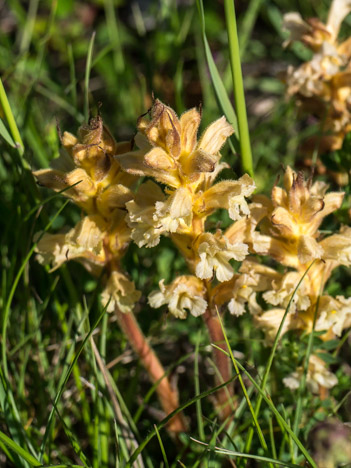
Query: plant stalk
{"points": [[224, 396], [168, 397], [238, 87]]}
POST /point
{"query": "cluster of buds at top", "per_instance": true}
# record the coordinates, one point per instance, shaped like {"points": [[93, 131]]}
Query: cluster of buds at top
{"points": [[288, 232], [322, 86], [169, 152], [88, 173]]}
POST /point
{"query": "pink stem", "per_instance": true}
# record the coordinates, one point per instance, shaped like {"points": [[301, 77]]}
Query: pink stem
{"points": [[168, 397]]}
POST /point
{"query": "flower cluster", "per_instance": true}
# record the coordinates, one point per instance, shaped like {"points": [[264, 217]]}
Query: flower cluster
{"points": [[322, 86], [288, 232], [100, 175], [170, 153], [88, 173]]}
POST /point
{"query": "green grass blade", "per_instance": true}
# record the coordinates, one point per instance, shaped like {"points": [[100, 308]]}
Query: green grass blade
{"points": [[200, 424], [248, 24], [271, 357], [72, 72], [5, 135], [164, 421], [243, 387], [65, 380], [113, 30], [231, 453], [5, 105], [303, 380], [87, 76], [14, 287], [161, 447], [238, 87], [19, 450], [217, 82], [272, 407]]}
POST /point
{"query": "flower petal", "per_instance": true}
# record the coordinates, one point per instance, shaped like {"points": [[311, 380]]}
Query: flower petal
{"points": [[189, 123], [215, 136]]}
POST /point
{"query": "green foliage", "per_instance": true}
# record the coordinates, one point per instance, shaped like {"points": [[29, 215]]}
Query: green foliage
{"points": [[58, 406]]}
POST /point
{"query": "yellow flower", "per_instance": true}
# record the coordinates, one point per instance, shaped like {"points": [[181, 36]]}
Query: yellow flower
{"points": [[242, 288], [293, 218], [169, 151], [334, 314], [175, 212], [270, 321], [229, 194], [141, 215], [214, 253], [82, 243], [119, 293], [338, 247], [322, 86], [87, 168], [317, 376], [184, 293], [283, 290]]}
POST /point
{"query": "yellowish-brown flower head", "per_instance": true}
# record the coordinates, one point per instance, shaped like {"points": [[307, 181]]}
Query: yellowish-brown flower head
{"points": [[318, 376], [170, 153], [214, 252], [292, 218], [288, 224], [88, 173], [184, 294], [169, 150], [322, 86]]}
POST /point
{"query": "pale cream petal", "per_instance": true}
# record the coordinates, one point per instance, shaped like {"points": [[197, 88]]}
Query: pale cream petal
{"points": [[184, 294], [175, 212], [84, 241], [338, 247], [158, 159], [236, 308], [284, 222], [228, 194], [51, 250], [338, 11], [68, 140], [215, 252], [88, 234], [134, 163], [157, 299], [142, 142], [200, 161], [215, 136], [164, 129], [295, 25], [189, 123], [224, 271], [115, 196], [181, 203], [292, 381], [83, 186], [319, 375], [119, 293], [199, 306], [332, 202], [64, 162], [204, 268], [270, 321], [309, 249]]}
